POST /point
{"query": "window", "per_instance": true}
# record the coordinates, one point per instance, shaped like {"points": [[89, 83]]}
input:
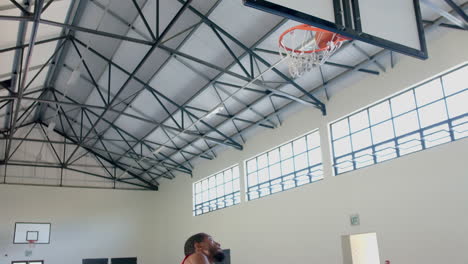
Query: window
{"points": [[290, 165], [217, 191], [430, 114], [28, 262]]}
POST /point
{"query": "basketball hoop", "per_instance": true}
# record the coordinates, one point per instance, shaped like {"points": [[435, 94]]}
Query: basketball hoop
{"points": [[305, 47], [32, 243]]}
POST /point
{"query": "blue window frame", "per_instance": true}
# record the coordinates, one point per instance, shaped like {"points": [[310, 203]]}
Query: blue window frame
{"points": [[290, 165], [424, 116], [216, 191]]}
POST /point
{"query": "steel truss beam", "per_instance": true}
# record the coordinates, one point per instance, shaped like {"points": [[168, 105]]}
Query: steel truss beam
{"points": [[77, 28], [115, 127], [109, 104], [130, 77], [149, 185], [22, 83], [340, 77], [458, 10], [84, 171]]}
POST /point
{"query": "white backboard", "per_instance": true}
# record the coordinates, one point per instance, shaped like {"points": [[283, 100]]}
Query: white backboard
{"points": [[32, 231], [390, 24]]}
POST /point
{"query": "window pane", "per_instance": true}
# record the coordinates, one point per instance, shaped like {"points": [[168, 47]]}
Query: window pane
{"points": [[286, 151], [219, 179], [251, 165], [315, 157], [455, 81], [235, 173], [299, 146], [409, 144], [228, 175], [228, 187], [359, 121], [382, 132], [458, 104], [273, 156], [432, 114], [300, 162], [460, 128], [236, 185], [263, 175], [252, 179], [205, 185], [216, 191], [380, 112], [361, 139], [406, 123], [313, 140], [262, 161], [212, 194], [403, 103], [275, 171], [344, 164], [211, 182], [428, 92], [342, 146], [220, 191], [423, 116], [364, 158], [287, 166], [385, 151], [340, 129], [436, 135]]}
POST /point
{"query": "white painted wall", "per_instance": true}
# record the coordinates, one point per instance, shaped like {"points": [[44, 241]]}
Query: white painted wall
{"points": [[86, 223], [417, 204]]}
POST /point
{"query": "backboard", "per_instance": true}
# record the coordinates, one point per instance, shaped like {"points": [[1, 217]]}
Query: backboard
{"points": [[38, 232], [124, 260], [395, 25]]}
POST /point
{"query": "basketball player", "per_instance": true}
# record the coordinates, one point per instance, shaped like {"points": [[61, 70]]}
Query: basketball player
{"points": [[202, 249]]}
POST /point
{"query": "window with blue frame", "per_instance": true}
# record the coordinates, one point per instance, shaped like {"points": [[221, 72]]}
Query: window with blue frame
{"points": [[424, 116], [217, 191], [290, 165]]}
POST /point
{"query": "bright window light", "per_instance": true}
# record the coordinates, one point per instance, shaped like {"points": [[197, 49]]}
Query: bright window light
{"points": [[424, 116], [217, 191], [364, 248], [290, 165]]}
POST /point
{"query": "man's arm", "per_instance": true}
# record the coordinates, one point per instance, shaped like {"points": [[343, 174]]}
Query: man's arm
{"points": [[197, 258]]}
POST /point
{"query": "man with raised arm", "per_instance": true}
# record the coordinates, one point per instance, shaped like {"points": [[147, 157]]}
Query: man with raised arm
{"points": [[202, 249]]}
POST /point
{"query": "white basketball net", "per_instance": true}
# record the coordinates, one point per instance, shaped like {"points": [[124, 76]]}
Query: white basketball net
{"points": [[296, 46], [32, 243]]}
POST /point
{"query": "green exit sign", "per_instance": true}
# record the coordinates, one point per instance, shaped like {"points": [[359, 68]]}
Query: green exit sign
{"points": [[354, 219]]}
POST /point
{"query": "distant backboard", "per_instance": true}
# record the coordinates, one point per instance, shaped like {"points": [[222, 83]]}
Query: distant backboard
{"points": [[124, 260], [38, 232], [391, 24], [96, 261]]}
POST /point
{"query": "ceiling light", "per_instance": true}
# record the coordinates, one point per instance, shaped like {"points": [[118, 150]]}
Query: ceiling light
{"points": [[214, 112], [158, 150]]}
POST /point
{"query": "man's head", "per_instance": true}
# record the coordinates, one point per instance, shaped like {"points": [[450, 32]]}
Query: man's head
{"points": [[204, 243]]}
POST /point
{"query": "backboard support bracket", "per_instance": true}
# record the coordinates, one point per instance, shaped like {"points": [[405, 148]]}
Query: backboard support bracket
{"points": [[348, 22]]}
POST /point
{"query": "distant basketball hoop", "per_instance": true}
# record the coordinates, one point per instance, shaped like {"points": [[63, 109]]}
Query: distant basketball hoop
{"points": [[32, 243], [305, 47]]}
